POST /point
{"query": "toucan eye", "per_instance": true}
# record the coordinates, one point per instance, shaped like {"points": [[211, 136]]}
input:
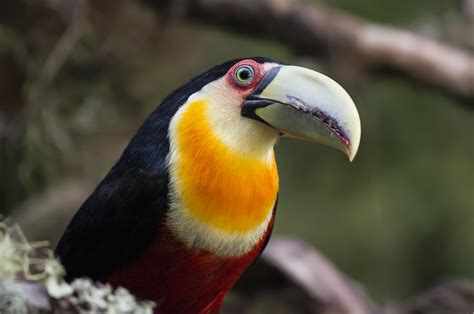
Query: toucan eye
{"points": [[244, 75]]}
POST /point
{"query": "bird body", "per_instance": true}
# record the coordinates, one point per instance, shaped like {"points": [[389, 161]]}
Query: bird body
{"points": [[191, 202]]}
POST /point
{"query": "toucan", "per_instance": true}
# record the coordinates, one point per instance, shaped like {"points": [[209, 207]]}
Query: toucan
{"points": [[191, 202]]}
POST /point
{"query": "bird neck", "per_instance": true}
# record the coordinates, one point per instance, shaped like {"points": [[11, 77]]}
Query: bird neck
{"points": [[222, 193]]}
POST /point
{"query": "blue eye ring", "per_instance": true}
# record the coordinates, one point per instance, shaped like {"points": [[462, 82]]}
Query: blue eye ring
{"points": [[244, 75]]}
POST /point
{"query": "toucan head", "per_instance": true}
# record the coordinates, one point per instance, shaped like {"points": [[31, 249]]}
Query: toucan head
{"points": [[258, 100]]}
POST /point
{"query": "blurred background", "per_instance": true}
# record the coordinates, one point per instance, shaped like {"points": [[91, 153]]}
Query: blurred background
{"points": [[77, 78]]}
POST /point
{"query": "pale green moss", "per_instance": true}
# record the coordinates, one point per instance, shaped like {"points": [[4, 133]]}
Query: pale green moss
{"points": [[21, 260]]}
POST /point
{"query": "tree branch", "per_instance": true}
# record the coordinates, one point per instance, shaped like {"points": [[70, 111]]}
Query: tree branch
{"points": [[317, 276], [338, 37], [287, 263]]}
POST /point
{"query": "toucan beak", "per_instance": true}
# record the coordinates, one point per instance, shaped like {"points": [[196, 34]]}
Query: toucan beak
{"points": [[308, 105]]}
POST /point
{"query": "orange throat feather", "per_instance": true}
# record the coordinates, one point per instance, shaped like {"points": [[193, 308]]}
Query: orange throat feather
{"points": [[222, 198]]}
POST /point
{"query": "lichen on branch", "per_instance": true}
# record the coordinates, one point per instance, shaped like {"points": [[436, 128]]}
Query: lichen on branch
{"points": [[31, 280]]}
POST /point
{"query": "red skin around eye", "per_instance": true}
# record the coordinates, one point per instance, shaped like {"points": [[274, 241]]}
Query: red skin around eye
{"points": [[245, 89]]}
